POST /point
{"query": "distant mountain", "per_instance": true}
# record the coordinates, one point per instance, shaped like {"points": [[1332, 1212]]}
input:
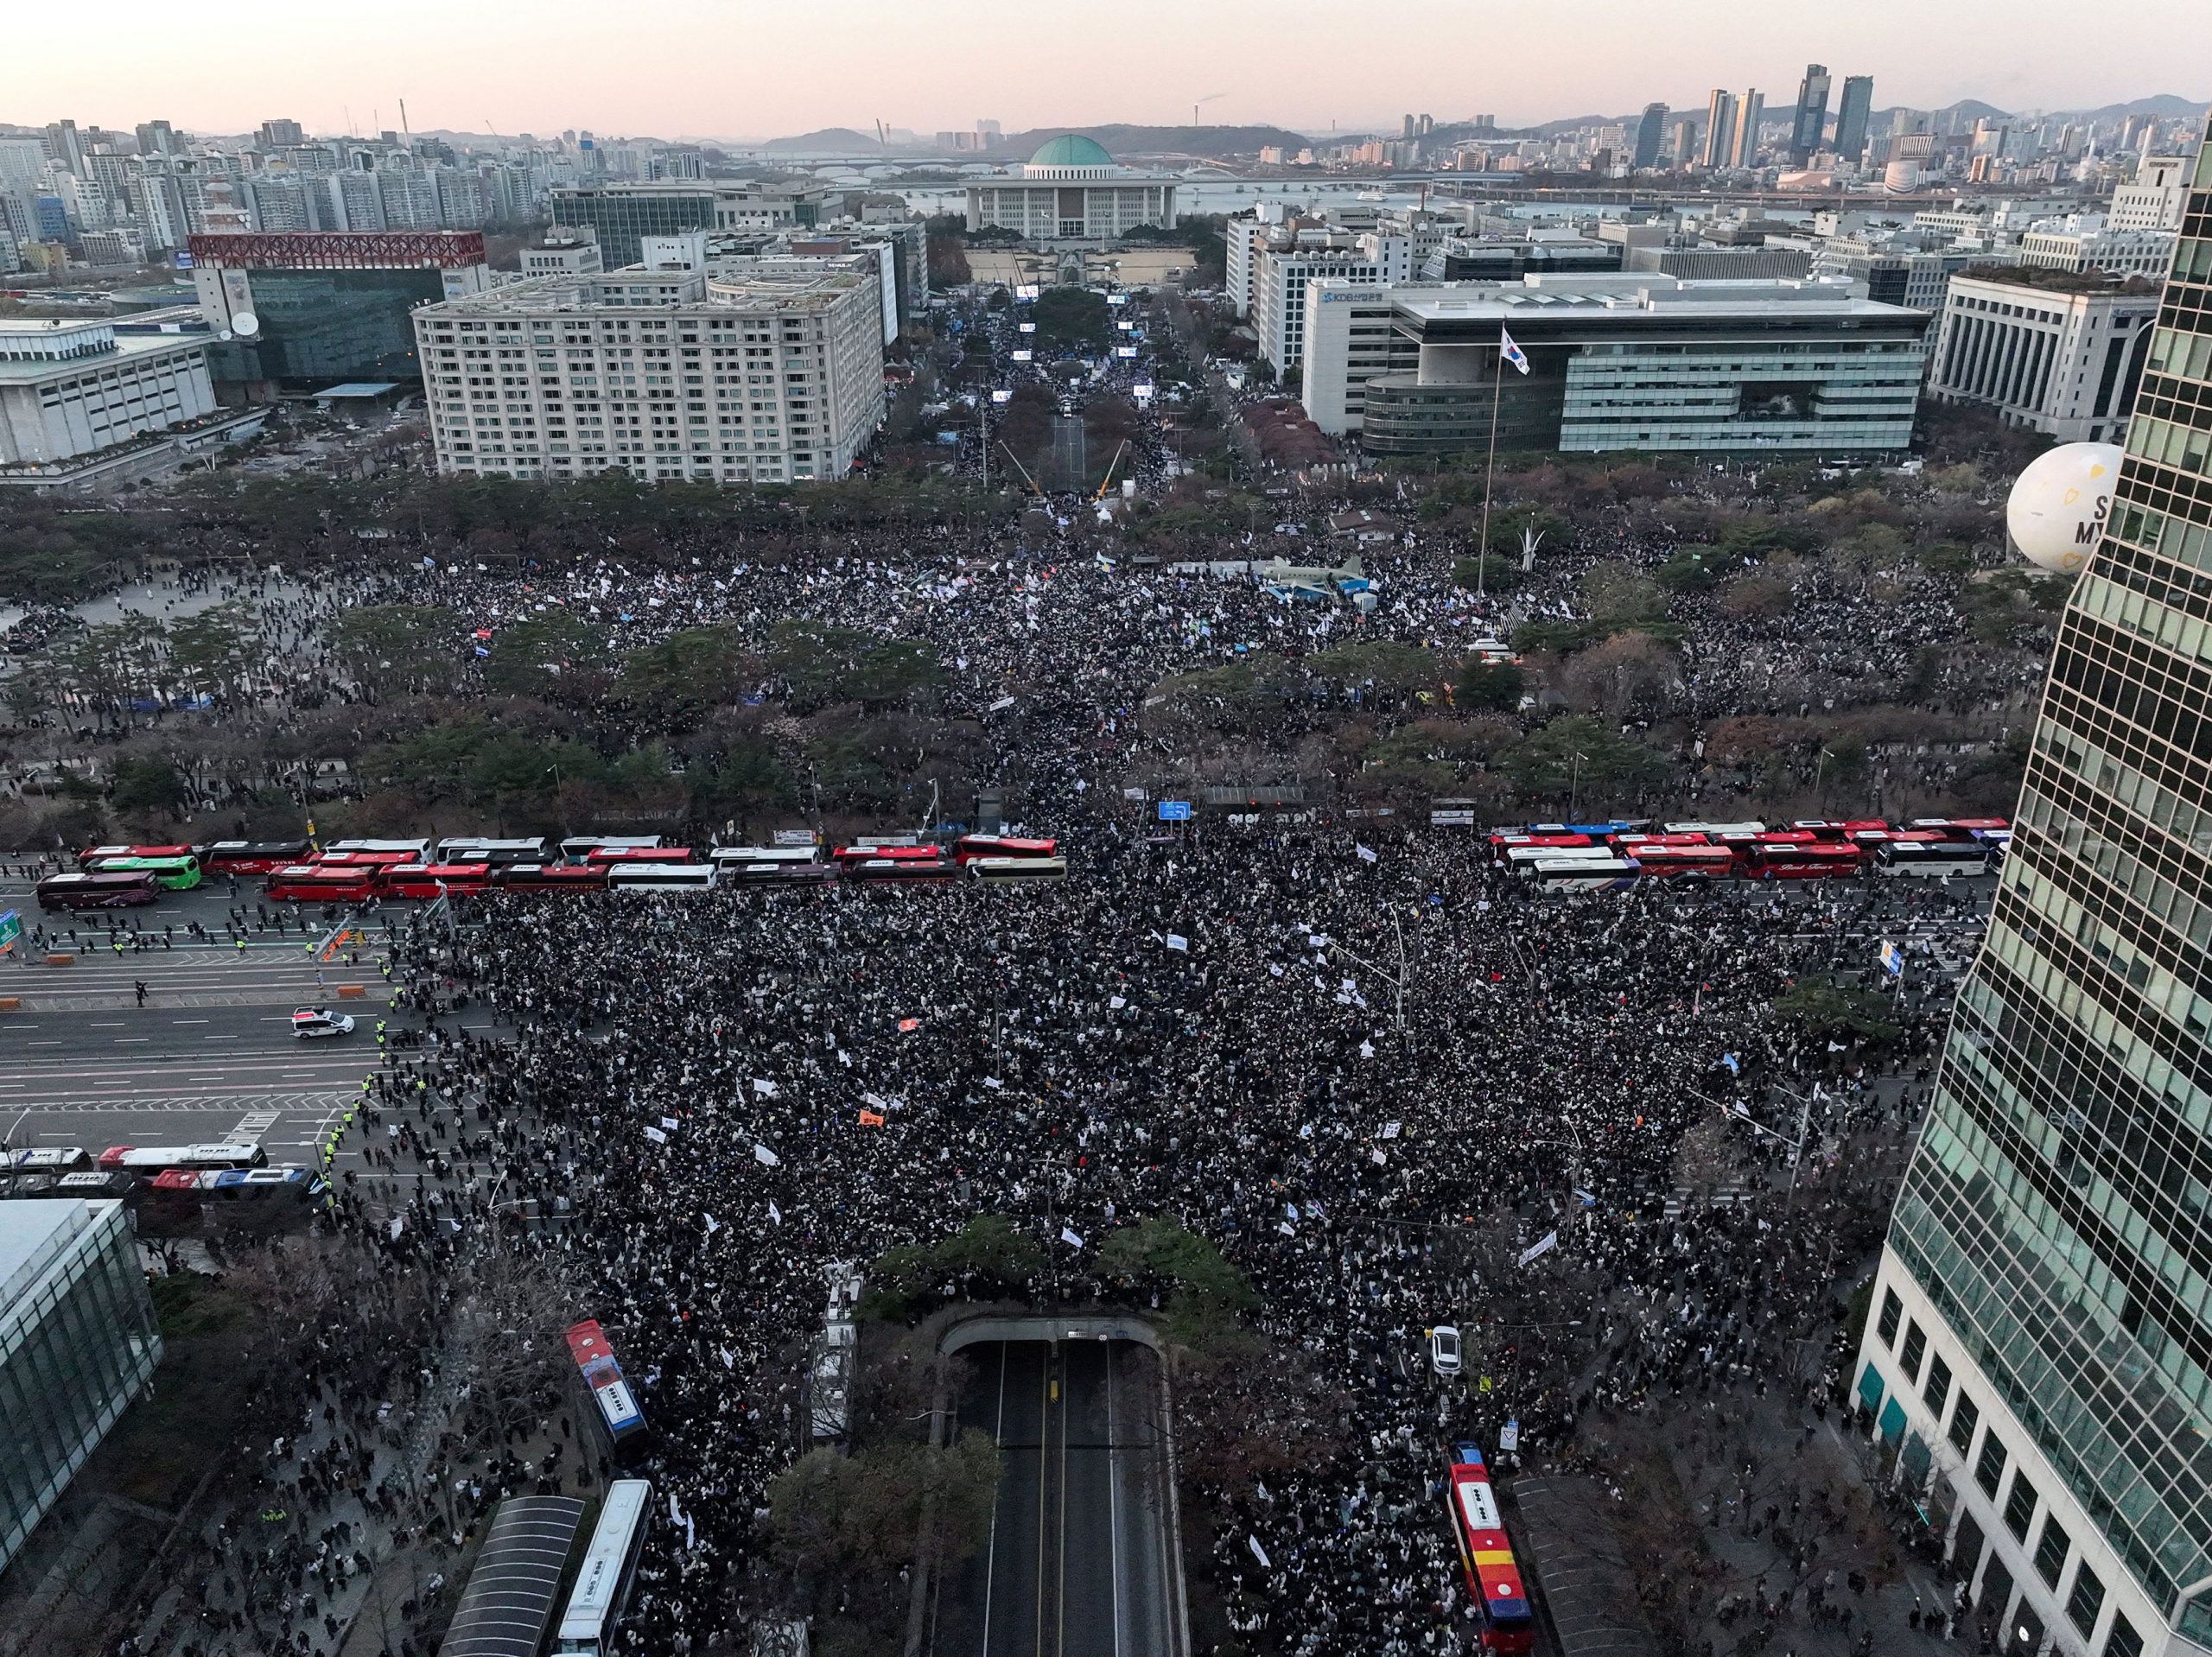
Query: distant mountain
{"points": [[2165, 105], [828, 141]]}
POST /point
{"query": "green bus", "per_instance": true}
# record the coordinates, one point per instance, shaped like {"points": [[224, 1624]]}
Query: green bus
{"points": [[171, 873]]}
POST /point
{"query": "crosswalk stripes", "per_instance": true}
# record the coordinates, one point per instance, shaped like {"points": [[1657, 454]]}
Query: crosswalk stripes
{"points": [[1725, 1197], [255, 1123]]}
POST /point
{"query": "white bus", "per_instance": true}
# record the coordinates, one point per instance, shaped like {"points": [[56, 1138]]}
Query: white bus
{"points": [[1523, 860], [473, 849], [595, 1608], [661, 877], [417, 850], [577, 848], [1932, 860], [1001, 871], [1586, 875], [740, 856], [1716, 829]]}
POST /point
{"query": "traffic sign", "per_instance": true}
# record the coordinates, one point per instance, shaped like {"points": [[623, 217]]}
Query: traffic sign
{"points": [[11, 929], [1175, 811]]}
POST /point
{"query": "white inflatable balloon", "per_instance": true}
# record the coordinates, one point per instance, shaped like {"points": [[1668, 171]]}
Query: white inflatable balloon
{"points": [[2059, 505]]}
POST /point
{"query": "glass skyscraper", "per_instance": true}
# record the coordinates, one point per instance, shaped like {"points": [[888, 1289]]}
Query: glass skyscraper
{"points": [[2038, 1356]]}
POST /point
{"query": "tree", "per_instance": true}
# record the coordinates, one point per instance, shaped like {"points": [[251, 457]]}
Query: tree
{"points": [[218, 646], [1071, 319], [1619, 594], [1492, 685], [1629, 676], [877, 1509], [1575, 750], [147, 785], [822, 663], [528, 657], [1824, 1011], [687, 670], [399, 646], [1493, 572]]}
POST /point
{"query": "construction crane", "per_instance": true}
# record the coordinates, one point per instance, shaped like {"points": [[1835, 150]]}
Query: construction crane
{"points": [[1107, 482], [1024, 469]]}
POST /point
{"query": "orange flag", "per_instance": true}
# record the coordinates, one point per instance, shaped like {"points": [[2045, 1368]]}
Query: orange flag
{"points": [[870, 1119]]}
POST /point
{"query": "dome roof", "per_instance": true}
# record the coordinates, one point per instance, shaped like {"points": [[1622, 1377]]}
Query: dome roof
{"points": [[1071, 149]]}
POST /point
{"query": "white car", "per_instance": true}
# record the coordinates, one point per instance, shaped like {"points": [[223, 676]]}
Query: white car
{"points": [[315, 1021], [1444, 1349]]}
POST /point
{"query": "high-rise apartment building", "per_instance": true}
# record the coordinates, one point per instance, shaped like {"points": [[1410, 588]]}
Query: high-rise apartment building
{"points": [[1720, 129], [1651, 135], [1852, 112], [1811, 124], [2039, 1350], [1751, 110]]}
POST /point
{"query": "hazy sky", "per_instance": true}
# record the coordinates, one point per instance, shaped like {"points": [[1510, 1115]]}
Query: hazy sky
{"points": [[760, 67]]}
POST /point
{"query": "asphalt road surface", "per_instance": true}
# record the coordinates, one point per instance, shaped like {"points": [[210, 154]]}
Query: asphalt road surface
{"points": [[1076, 1563], [209, 1054]]}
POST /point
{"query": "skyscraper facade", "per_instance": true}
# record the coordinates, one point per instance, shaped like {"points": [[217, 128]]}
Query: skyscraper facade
{"points": [[1852, 112], [2038, 1352], [1651, 134], [1811, 124], [1750, 111], [1720, 129]]}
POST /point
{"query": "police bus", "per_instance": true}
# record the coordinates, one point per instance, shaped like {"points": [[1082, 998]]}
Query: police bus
{"points": [[603, 1581]]}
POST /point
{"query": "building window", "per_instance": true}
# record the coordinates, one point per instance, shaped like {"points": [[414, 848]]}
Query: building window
{"points": [[1892, 1310], [2020, 1505], [2051, 1549], [2124, 1641], [1938, 1389], [1989, 1471], [2086, 1601], [1963, 1424], [1916, 1348]]}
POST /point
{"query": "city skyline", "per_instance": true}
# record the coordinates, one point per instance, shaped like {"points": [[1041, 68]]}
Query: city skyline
{"points": [[740, 73]]}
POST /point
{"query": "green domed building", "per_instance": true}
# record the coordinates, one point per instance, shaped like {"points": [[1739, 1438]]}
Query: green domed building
{"points": [[1071, 191]]}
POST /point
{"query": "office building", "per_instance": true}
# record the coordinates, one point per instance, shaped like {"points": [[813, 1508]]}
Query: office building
{"points": [[1280, 274], [78, 1344], [1650, 137], [299, 313], [1457, 259], [775, 379], [2059, 354], [621, 215], [1073, 191], [2153, 200], [1746, 263], [2086, 243], [1894, 272], [70, 389], [1751, 110], [563, 251], [282, 135], [1719, 129], [2037, 1356], [1811, 123], [1617, 362], [1853, 112]]}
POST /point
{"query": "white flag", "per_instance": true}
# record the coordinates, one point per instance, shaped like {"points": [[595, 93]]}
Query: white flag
{"points": [[1176, 942], [775, 1213], [766, 1089], [729, 1359], [1258, 1553], [669, 1122], [766, 1157], [1367, 854], [1069, 1237], [656, 1135], [713, 1225], [1508, 352]]}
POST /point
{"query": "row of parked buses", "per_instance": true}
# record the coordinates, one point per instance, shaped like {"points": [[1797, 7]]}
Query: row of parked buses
{"points": [[1602, 856], [226, 1170], [354, 871]]}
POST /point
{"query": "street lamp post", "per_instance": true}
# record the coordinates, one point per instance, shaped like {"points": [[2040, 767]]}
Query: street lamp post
{"points": [[1574, 787]]}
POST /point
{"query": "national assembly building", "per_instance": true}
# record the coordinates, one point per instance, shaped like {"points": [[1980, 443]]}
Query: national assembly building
{"points": [[1073, 191]]}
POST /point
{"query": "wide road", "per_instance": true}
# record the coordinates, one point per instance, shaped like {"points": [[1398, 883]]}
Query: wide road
{"points": [[1076, 1564]]}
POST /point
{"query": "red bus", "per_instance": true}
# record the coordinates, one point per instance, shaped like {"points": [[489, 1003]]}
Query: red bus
{"points": [[366, 862], [1636, 845], [1666, 862], [91, 854], [863, 852], [1953, 828], [1882, 834], [1509, 1624], [432, 879], [968, 848], [551, 877], [615, 1405], [1500, 844], [602, 855], [254, 857], [1826, 861], [902, 868], [312, 883], [1790, 837]]}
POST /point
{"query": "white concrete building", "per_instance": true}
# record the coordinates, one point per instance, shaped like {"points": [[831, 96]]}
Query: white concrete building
{"points": [[69, 389], [2059, 356], [1280, 276], [1073, 191], [775, 379], [1348, 343], [2153, 200], [2091, 245]]}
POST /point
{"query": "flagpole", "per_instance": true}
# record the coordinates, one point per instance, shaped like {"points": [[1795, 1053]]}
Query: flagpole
{"points": [[1489, 469]]}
